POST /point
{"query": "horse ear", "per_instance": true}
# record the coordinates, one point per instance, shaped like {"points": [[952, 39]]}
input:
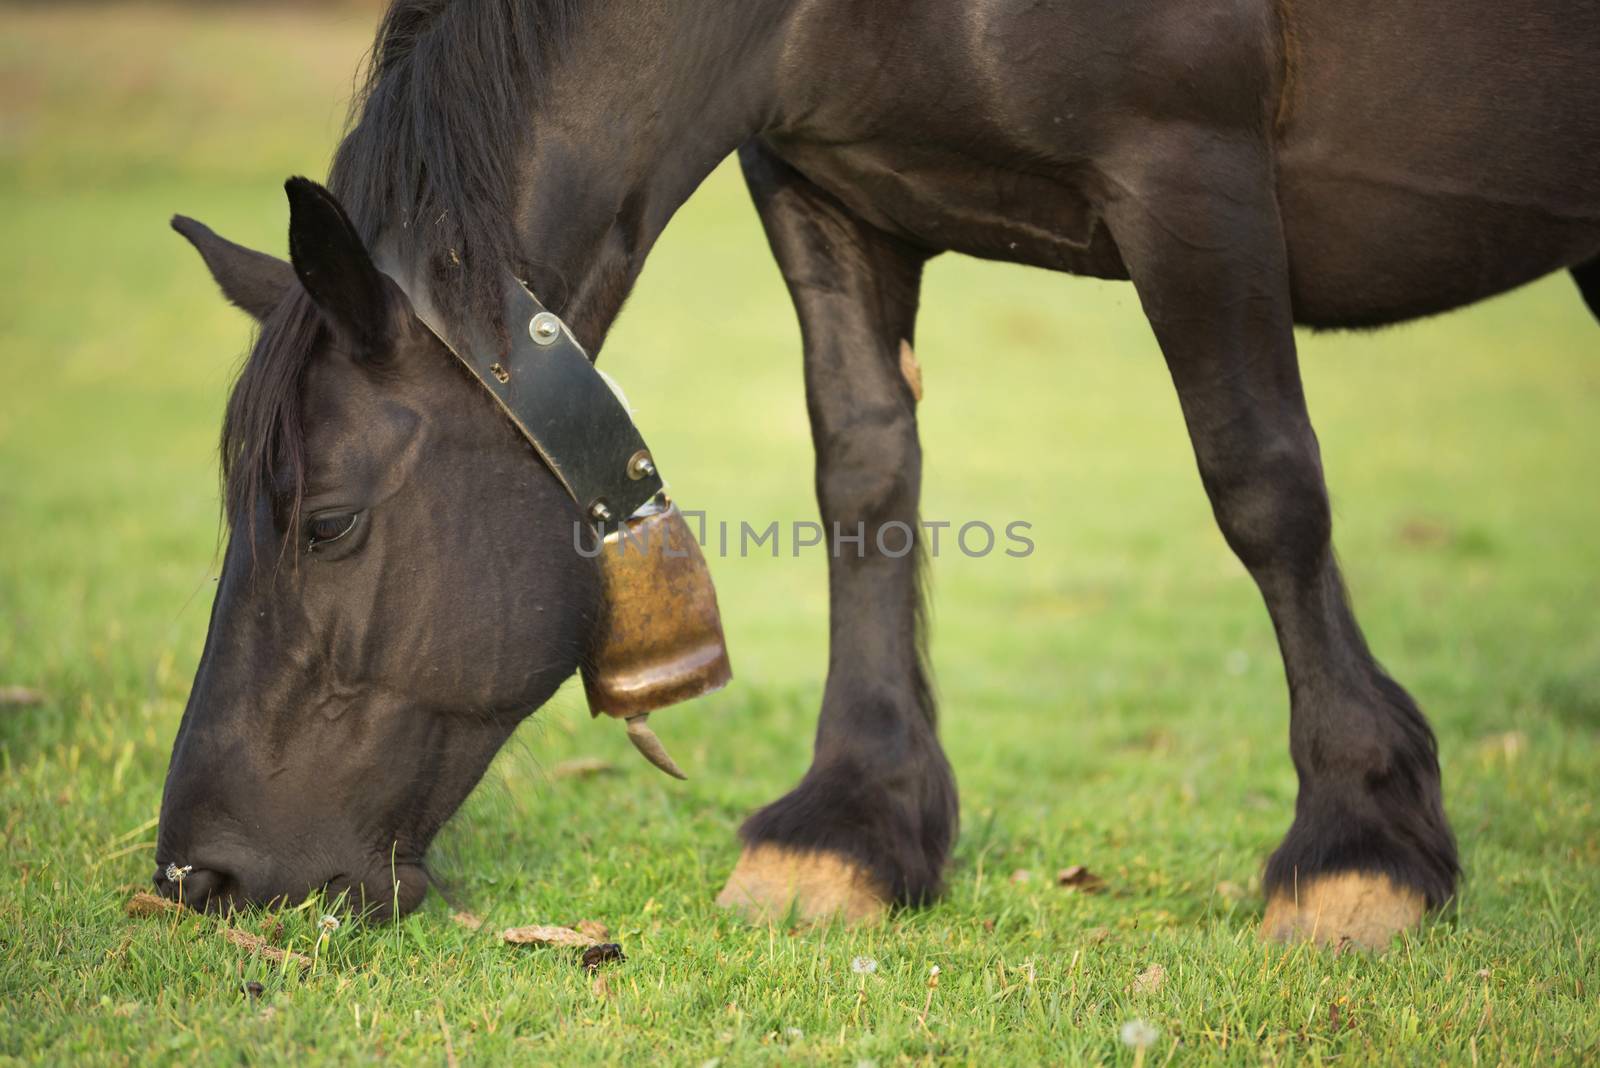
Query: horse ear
{"points": [[333, 264], [251, 280]]}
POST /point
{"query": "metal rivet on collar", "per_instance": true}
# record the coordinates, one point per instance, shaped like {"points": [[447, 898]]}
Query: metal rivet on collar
{"points": [[544, 329], [599, 512], [640, 465]]}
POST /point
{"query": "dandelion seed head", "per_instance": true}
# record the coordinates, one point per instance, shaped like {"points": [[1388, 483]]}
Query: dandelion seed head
{"points": [[1138, 1034], [329, 923], [863, 965], [174, 872]]}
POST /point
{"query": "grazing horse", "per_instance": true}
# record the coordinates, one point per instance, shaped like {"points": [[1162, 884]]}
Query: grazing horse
{"points": [[400, 586]]}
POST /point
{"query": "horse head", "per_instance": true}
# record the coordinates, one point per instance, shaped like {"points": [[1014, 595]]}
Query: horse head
{"points": [[400, 588]]}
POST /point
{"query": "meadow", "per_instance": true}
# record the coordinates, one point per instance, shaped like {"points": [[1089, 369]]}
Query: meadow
{"points": [[1114, 700]]}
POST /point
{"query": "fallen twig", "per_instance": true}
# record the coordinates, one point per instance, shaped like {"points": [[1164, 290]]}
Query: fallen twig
{"points": [[145, 903], [256, 944]]}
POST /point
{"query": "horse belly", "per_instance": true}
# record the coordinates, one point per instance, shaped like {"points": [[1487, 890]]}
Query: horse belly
{"points": [[1436, 153], [951, 201]]}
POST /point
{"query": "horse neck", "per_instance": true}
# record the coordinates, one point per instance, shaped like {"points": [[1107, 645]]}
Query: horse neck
{"points": [[641, 106]]}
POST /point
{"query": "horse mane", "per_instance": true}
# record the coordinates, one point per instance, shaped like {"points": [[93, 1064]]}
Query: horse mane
{"points": [[429, 158], [429, 162]]}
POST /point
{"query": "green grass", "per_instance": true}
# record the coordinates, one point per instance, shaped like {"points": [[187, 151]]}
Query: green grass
{"points": [[1115, 700]]}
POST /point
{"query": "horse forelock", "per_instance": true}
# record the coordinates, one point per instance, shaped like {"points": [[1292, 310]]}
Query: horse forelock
{"points": [[263, 436]]}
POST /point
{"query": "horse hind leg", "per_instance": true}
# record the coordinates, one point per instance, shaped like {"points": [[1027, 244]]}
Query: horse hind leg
{"points": [[871, 822], [1587, 275], [1369, 848]]}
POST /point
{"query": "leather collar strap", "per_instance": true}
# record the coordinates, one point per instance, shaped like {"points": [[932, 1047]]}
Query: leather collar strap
{"points": [[554, 395]]}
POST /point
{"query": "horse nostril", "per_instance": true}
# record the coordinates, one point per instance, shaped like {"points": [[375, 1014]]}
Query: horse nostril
{"points": [[194, 887]]}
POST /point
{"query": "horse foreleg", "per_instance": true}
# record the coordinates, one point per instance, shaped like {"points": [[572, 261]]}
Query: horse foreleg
{"points": [[1196, 220], [1587, 275], [872, 820]]}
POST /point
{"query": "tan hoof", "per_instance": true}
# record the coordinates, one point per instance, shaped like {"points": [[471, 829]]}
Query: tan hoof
{"points": [[1349, 909], [770, 881]]}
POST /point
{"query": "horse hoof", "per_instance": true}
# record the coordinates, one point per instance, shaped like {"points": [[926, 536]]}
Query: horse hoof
{"points": [[769, 881], [1351, 909]]}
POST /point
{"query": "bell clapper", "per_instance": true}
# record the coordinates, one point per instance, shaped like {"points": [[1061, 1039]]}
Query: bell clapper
{"points": [[644, 739]]}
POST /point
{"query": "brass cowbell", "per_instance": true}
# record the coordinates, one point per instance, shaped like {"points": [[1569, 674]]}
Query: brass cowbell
{"points": [[661, 640]]}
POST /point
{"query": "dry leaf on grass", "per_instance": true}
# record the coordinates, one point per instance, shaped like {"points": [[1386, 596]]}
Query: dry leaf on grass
{"points": [[145, 903], [1096, 935], [588, 936], [582, 768], [256, 944], [1080, 879], [1149, 980], [19, 697], [1422, 533], [1021, 875], [593, 928], [1507, 746], [547, 935], [470, 920]]}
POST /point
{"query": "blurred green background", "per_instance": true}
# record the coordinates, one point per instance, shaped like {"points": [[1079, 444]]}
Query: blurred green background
{"points": [[1113, 700]]}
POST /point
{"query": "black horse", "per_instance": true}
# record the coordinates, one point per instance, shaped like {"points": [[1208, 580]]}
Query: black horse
{"points": [[400, 587]]}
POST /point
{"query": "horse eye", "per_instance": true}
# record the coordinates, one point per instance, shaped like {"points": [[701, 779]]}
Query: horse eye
{"points": [[323, 529]]}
